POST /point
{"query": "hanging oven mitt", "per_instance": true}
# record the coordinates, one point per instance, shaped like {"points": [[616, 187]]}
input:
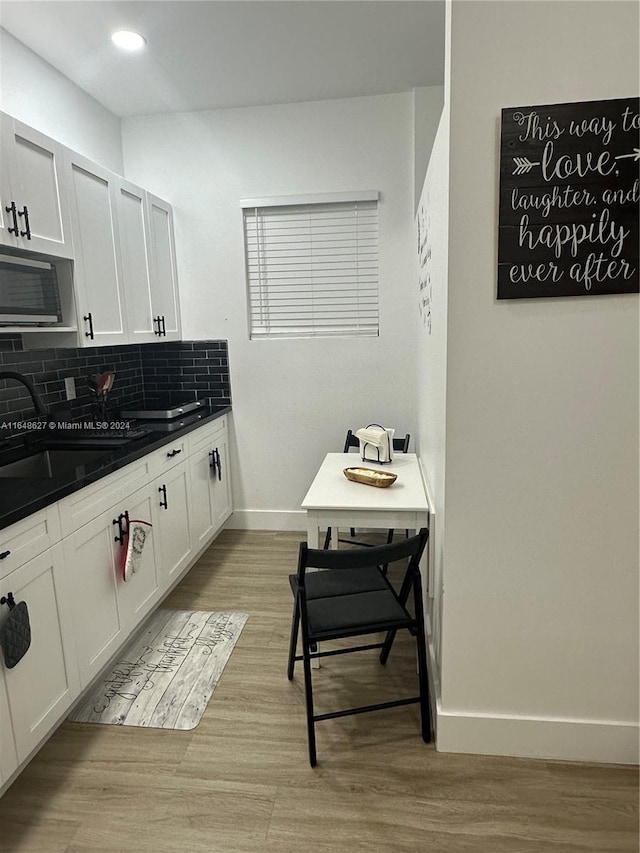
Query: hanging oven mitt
{"points": [[15, 633], [136, 536]]}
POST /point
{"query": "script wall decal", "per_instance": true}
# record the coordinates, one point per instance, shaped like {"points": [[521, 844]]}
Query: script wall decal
{"points": [[569, 199]]}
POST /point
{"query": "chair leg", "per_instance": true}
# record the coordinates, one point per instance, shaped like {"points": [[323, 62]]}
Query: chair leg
{"points": [[293, 641], [386, 648], [403, 595], [327, 539], [308, 692]]}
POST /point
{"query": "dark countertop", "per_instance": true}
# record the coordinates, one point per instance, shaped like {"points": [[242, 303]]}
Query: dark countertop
{"points": [[20, 496]]}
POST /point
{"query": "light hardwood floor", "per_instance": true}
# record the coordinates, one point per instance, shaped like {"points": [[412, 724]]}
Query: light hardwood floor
{"points": [[241, 783]]}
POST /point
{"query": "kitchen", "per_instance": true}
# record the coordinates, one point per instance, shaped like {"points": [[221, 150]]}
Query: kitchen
{"points": [[206, 162]]}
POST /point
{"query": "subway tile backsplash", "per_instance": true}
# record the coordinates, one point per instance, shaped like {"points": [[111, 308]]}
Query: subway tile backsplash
{"points": [[197, 367]]}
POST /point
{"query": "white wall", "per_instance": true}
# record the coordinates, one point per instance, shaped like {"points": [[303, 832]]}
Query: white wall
{"points": [[33, 91], [540, 630], [432, 227], [292, 400], [427, 106]]}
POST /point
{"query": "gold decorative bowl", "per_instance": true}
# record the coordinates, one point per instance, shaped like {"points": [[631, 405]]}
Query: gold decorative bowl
{"points": [[370, 477]]}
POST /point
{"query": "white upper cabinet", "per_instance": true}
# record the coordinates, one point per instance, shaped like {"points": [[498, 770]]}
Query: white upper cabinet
{"points": [[34, 213], [56, 202], [148, 265], [164, 277], [133, 226], [98, 277]]}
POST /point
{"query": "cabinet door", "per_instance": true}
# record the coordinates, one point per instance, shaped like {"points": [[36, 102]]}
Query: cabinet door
{"points": [[135, 248], [137, 596], [222, 489], [45, 682], [201, 475], [98, 271], [92, 558], [164, 277], [8, 756], [171, 524], [33, 174], [210, 482]]}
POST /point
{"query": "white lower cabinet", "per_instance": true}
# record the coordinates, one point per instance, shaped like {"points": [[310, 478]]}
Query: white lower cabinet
{"points": [[41, 686], [222, 486], [8, 755], [106, 608], [201, 474], [81, 609], [171, 522], [210, 482], [142, 590], [91, 558]]}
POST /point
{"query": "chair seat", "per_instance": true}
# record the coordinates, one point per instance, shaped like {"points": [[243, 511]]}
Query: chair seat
{"points": [[362, 613], [322, 584]]}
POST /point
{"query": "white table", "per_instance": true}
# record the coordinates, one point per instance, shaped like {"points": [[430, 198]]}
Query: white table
{"points": [[333, 501]]}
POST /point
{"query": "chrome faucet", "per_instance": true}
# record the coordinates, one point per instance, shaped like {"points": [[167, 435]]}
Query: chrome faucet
{"points": [[38, 405]]}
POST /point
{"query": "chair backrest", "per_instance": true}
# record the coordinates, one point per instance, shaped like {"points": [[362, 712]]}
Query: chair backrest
{"points": [[357, 558], [400, 444]]}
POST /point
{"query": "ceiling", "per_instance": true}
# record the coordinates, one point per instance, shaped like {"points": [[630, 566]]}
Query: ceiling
{"points": [[208, 54]]}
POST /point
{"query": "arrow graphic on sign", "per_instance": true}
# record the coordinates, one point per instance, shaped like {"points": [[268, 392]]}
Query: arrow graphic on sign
{"points": [[523, 165], [635, 155]]}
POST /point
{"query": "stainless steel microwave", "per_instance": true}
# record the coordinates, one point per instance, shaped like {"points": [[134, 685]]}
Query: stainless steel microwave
{"points": [[29, 292]]}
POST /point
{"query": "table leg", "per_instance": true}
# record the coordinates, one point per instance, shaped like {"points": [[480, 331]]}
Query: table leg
{"points": [[313, 541], [312, 532]]}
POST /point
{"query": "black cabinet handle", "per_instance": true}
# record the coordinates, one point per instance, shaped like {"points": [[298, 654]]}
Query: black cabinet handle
{"points": [[24, 212], [173, 453], [164, 328], [12, 210], [4, 555], [88, 318], [163, 502], [122, 530], [157, 331], [215, 462]]}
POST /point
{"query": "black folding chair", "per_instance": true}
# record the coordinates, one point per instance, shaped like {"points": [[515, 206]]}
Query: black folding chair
{"points": [[351, 597]]}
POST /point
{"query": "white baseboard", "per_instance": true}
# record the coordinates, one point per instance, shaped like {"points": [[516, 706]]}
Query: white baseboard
{"points": [[612, 742], [267, 519]]}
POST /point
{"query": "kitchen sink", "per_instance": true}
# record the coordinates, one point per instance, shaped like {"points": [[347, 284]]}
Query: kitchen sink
{"points": [[51, 463]]}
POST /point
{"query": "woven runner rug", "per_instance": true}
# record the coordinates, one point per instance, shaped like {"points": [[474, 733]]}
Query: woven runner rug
{"points": [[165, 677]]}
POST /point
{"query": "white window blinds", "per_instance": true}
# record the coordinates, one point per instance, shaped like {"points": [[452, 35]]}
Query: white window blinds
{"points": [[312, 269]]}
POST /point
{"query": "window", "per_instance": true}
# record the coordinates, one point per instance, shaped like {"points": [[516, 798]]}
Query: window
{"points": [[312, 265]]}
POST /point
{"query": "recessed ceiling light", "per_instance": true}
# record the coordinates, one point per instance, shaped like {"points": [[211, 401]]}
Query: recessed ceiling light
{"points": [[128, 40]]}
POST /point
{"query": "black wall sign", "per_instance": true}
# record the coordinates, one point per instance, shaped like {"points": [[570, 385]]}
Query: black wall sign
{"points": [[569, 199]]}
